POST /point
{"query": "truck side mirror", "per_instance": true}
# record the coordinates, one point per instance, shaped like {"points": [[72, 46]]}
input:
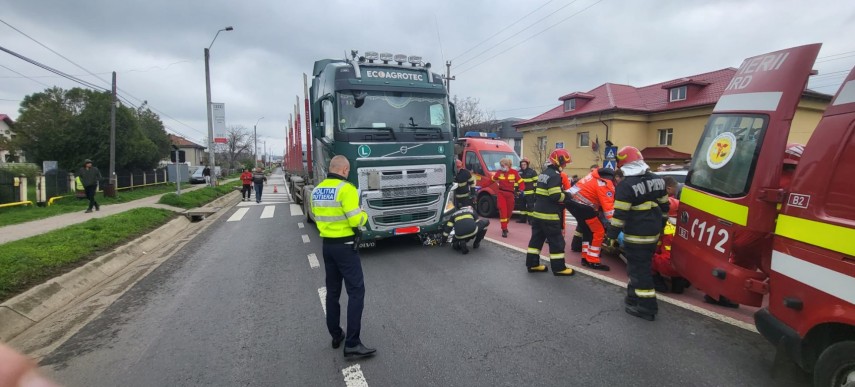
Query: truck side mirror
{"points": [[452, 110]]}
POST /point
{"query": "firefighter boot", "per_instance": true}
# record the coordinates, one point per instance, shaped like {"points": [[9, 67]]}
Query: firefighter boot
{"points": [[560, 269], [504, 233], [639, 312], [538, 269], [463, 248], [659, 283], [455, 245]]}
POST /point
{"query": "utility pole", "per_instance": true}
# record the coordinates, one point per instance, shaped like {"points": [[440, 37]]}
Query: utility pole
{"points": [[111, 191], [448, 77], [208, 99]]}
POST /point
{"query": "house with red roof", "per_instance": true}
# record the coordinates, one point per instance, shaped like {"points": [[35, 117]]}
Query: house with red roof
{"points": [[664, 120], [7, 133], [194, 153]]}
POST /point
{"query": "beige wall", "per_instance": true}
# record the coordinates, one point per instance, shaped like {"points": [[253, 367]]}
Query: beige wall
{"points": [[806, 119]]}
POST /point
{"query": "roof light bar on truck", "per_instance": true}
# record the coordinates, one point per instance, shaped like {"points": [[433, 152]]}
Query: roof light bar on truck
{"points": [[400, 58], [386, 57]]}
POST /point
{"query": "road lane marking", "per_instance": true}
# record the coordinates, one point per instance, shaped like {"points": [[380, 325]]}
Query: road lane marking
{"points": [[238, 215], [268, 212], [300, 225], [322, 294], [313, 261], [296, 210], [353, 376], [305, 238], [664, 298]]}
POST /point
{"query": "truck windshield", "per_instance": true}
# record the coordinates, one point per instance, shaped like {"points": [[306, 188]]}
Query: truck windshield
{"points": [[724, 161], [491, 159], [395, 110]]}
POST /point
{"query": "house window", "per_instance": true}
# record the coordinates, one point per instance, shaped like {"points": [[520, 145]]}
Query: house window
{"points": [[541, 143], [570, 104], [584, 139], [665, 136], [678, 94]]}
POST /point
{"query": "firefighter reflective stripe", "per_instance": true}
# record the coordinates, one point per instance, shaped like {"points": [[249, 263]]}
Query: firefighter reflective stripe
{"points": [[540, 215], [617, 222], [640, 239], [645, 293], [663, 199], [532, 250], [644, 206], [577, 234], [556, 256], [463, 195], [721, 208], [818, 277], [471, 234], [621, 205], [828, 236], [553, 190], [464, 216]]}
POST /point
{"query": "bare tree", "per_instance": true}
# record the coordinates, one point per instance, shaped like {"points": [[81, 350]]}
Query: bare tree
{"points": [[470, 115], [238, 146], [539, 152]]}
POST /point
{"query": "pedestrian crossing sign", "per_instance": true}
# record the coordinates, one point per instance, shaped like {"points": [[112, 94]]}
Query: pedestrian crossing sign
{"points": [[611, 152], [610, 164]]}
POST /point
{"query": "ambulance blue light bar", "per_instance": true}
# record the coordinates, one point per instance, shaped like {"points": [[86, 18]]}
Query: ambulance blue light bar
{"points": [[481, 134]]}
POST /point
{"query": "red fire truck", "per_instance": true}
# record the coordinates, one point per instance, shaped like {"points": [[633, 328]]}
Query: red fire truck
{"points": [[742, 235]]}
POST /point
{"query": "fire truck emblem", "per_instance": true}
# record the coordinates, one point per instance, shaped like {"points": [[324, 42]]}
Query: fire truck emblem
{"points": [[721, 150]]}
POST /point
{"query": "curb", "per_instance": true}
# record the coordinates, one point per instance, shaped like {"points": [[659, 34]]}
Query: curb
{"points": [[36, 304]]}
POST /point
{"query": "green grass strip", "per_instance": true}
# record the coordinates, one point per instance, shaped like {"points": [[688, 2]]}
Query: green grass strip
{"points": [[31, 261], [17, 215], [198, 197]]}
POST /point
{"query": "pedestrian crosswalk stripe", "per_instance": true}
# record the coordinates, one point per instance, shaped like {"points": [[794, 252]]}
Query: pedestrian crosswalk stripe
{"points": [[305, 238], [296, 210], [300, 225], [238, 215], [322, 294], [353, 376], [268, 212], [313, 261]]}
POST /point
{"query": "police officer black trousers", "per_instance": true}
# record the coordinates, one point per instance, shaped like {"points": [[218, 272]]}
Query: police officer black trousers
{"points": [[341, 262], [640, 293]]}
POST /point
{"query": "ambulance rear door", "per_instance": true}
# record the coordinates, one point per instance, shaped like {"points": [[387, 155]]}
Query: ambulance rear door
{"points": [[728, 205]]}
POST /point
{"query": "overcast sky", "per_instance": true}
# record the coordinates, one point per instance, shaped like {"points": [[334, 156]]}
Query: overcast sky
{"points": [[541, 49]]}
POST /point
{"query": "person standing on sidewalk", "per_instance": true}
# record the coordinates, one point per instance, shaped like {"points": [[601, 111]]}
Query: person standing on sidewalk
{"points": [[206, 173], [90, 176], [335, 207], [258, 180], [246, 179]]}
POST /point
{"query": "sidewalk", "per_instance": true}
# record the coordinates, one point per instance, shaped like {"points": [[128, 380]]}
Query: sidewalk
{"points": [[37, 227]]}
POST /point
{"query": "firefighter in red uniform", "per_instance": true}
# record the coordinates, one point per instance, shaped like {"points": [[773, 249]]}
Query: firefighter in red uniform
{"points": [[465, 190], [641, 210], [593, 193], [546, 218], [510, 183], [529, 179]]}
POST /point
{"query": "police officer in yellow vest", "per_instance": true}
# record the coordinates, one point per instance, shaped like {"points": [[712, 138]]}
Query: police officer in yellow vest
{"points": [[335, 206]]}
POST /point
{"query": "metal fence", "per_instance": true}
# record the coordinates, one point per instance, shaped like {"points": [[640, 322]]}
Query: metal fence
{"points": [[9, 193]]}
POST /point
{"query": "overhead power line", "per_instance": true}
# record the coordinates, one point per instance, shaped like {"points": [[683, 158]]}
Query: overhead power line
{"points": [[24, 76], [503, 30], [53, 70]]}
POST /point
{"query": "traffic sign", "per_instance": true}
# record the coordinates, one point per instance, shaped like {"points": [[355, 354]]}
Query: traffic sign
{"points": [[559, 145], [611, 153], [610, 164]]}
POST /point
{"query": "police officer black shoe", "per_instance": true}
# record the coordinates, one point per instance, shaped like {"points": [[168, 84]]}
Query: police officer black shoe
{"points": [[359, 350], [659, 284], [599, 266], [336, 341], [635, 311], [538, 269], [504, 233], [564, 273]]}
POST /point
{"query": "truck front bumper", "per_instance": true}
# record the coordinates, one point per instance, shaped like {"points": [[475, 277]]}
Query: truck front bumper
{"points": [[780, 335]]}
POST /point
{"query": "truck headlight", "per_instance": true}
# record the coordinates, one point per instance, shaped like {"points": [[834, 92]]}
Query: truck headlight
{"points": [[449, 202]]}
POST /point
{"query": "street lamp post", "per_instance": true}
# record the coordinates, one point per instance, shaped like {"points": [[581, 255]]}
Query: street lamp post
{"points": [[208, 99], [255, 141]]}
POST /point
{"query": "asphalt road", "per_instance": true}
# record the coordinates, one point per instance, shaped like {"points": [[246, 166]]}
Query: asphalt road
{"points": [[240, 306]]}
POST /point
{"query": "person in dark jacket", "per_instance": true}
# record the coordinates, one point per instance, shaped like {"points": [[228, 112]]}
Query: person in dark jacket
{"points": [[206, 173], [90, 176], [641, 211], [467, 226], [546, 218], [258, 180], [529, 177], [465, 190]]}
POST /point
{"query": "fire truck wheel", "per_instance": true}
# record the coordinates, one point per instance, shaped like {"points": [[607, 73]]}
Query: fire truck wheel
{"points": [[836, 366], [487, 206]]}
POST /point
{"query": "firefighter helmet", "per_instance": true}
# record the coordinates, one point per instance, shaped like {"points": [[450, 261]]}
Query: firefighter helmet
{"points": [[525, 160], [793, 153], [560, 157], [458, 164], [628, 154]]}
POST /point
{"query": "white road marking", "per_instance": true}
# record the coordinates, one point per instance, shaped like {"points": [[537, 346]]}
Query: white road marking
{"points": [[672, 301], [300, 225], [353, 376], [268, 212], [305, 238], [296, 210], [313, 261], [238, 215], [322, 294]]}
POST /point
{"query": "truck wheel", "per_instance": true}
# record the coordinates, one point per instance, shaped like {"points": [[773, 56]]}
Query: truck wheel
{"points": [[487, 206], [836, 366]]}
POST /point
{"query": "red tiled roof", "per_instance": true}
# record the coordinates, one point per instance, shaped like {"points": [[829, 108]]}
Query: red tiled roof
{"points": [[7, 119], [650, 99], [182, 142], [663, 153]]}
